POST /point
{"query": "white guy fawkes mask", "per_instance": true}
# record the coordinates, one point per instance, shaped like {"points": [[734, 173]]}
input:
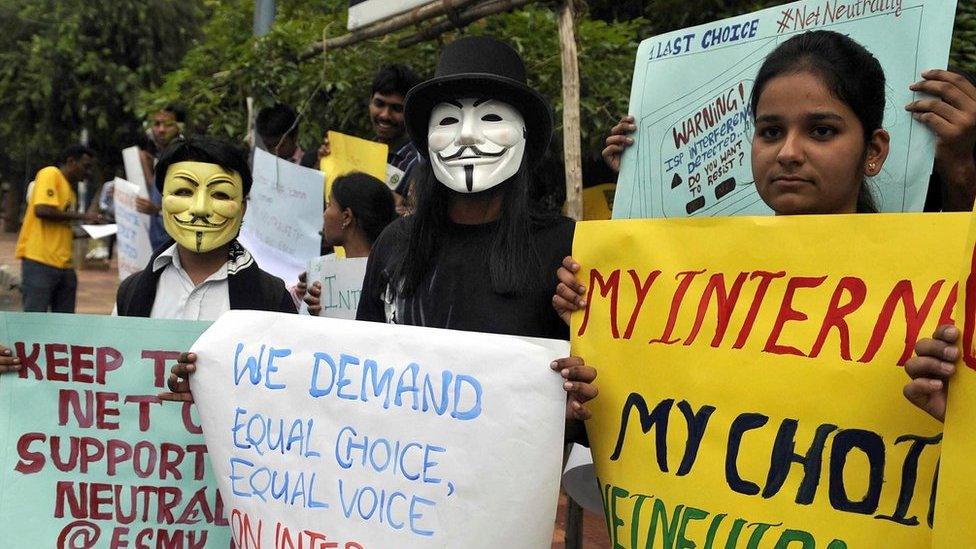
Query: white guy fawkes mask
{"points": [[475, 144]]}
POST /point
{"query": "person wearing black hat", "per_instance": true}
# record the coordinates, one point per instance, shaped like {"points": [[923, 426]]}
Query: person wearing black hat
{"points": [[473, 256]]}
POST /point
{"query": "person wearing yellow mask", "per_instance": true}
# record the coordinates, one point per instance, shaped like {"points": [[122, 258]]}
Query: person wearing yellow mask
{"points": [[204, 184]]}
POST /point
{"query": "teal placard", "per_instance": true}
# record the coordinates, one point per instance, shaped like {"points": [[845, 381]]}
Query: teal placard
{"points": [[690, 99], [89, 458]]}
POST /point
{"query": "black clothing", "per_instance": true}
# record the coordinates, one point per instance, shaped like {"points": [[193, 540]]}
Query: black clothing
{"points": [[249, 287], [456, 293]]}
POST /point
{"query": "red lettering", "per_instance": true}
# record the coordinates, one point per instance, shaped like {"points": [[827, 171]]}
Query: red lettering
{"points": [[946, 317], [914, 318], [53, 361], [91, 451], [199, 452], [766, 278], [687, 277], [188, 423], [107, 360], [119, 451], [143, 401], [77, 502], [103, 410], [611, 285], [836, 313], [167, 465], [642, 289], [243, 531], [169, 497], [119, 537], [969, 314], [68, 399], [197, 505], [724, 305], [143, 446], [98, 500], [30, 462], [787, 313], [159, 359], [79, 363], [28, 362]]}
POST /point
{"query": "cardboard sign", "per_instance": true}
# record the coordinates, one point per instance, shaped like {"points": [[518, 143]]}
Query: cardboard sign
{"points": [[750, 376], [89, 457], [374, 435], [342, 282], [352, 154], [133, 169], [956, 524], [690, 99], [132, 245], [367, 12], [284, 216]]}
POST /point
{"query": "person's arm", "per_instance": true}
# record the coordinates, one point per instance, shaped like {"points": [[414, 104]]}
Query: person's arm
{"points": [[51, 213], [578, 383], [951, 114], [570, 294]]}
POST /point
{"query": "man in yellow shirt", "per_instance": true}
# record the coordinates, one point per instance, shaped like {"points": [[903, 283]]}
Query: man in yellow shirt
{"points": [[48, 280]]}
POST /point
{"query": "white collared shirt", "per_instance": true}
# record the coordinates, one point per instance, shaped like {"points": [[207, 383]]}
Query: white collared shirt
{"points": [[178, 298]]}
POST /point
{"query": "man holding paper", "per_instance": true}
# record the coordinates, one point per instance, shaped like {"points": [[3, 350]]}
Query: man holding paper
{"points": [[45, 242]]}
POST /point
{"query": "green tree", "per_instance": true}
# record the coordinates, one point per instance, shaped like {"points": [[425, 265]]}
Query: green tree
{"points": [[73, 65]]}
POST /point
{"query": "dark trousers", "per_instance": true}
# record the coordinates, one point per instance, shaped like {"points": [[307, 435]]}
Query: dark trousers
{"points": [[45, 287]]}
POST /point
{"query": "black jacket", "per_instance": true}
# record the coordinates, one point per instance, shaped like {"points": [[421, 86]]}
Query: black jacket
{"points": [[249, 287]]}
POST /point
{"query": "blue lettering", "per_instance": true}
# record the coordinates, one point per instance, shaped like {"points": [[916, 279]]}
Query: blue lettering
{"points": [[347, 510], [272, 355], [237, 427], [380, 386], [430, 464], [416, 516], [314, 389], [256, 442], [403, 455], [475, 409], [234, 478], [389, 511], [411, 388], [252, 366], [446, 376], [345, 359]]}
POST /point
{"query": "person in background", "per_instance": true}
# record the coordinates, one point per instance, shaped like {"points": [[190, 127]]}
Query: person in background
{"points": [[166, 124], [360, 207], [386, 105], [277, 129], [48, 279]]}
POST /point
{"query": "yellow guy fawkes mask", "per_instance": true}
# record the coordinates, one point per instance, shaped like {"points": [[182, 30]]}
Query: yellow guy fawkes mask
{"points": [[203, 205]]}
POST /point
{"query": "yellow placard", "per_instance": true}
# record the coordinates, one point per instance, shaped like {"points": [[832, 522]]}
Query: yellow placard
{"points": [[352, 154], [750, 376], [954, 509], [598, 201]]}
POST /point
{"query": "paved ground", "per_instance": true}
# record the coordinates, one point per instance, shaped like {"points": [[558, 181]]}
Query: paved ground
{"points": [[96, 295]]}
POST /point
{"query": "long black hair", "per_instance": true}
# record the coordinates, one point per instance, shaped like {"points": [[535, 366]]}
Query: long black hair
{"points": [[851, 73], [514, 265], [370, 200]]}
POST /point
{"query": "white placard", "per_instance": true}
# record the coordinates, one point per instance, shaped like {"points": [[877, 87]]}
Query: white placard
{"points": [[133, 170], [390, 436], [284, 216], [342, 282], [132, 246], [100, 231], [366, 12]]}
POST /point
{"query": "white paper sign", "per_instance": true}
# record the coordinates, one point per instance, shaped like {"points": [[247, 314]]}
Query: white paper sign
{"points": [[284, 216], [342, 282], [133, 170], [377, 435], [100, 231], [133, 246], [366, 12]]}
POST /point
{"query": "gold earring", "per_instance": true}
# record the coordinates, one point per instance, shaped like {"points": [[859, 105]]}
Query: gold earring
{"points": [[872, 166]]}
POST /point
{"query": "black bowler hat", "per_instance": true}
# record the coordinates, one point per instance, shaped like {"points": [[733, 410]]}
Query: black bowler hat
{"points": [[480, 67]]}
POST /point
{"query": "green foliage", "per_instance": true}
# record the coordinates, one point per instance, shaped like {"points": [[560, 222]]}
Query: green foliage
{"points": [[68, 65]]}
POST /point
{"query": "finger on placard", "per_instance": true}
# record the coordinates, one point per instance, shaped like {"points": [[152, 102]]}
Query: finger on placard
{"points": [[927, 394], [936, 349], [946, 332], [580, 372], [937, 107], [570, 264], [928, 367], [176, 397]]}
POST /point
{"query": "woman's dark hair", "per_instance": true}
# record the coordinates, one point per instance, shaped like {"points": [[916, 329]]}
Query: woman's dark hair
{"points": [[204, 149], [514, 264], [370, 200], [851, 73]]}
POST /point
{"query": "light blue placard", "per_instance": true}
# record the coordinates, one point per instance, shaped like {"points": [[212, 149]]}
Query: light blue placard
{"points": [[88, 456], [691, 92]]}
